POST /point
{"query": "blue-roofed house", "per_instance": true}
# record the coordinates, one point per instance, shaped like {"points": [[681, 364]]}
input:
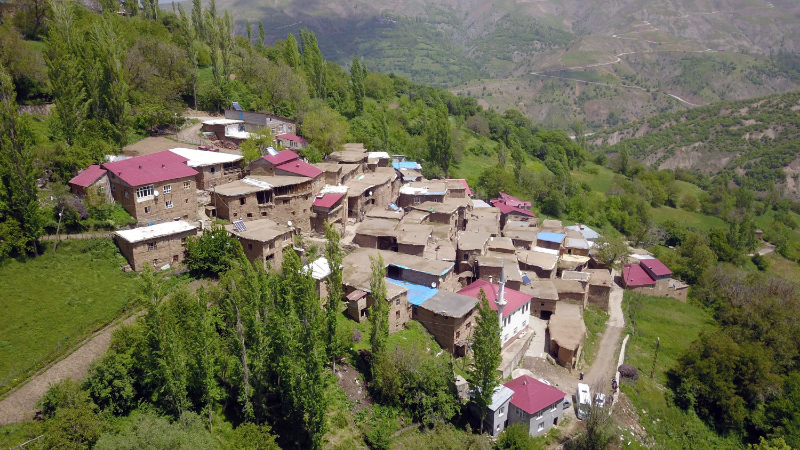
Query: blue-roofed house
{"points": [[588, 233], [416, 293], [407, 165], [553, 241]]}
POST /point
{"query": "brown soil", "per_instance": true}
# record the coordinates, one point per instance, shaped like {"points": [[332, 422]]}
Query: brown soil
{"points": [[352, 384], [150, 145]]}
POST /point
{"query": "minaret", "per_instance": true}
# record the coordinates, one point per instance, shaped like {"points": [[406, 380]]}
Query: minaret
{"points": [[501, 301]]}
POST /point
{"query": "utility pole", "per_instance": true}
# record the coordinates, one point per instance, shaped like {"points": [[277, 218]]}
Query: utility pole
{"points": [[655, 357]]}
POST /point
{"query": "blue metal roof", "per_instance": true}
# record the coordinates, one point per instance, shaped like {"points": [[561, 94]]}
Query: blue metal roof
{"points": [[406, 165], [550, 237], [417, 293]]}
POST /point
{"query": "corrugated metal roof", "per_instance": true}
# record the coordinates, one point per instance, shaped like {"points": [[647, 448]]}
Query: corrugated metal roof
{"points": [[88, 176], [155, 231], [301, 168], [406, 165], [327, 200], [531, 395], [417, 293], [656, 267], [634, 275], [550, 237], [291, 137], [152, 168], [514, 299], [282, 157], [507, 209]]}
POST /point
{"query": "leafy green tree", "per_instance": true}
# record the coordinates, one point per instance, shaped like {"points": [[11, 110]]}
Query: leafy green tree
{"points": [[517, 437], [72, 420], [313, 63], [262, 35], [334, 256], [213, 252], [20, 217], [254, 147], [110, 101], [63, 53], [598, 431], [249, 32], [249, 436], [148, 431], [482, 374], [612, 251], [623, 163], [325, 129], [439, 139], [357, 75], [291, 52], [379, 311]]}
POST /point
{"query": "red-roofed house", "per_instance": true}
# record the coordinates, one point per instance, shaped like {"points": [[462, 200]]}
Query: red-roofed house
{"points": [[633, 276], [330, 206], [298, 167], [656, 269], [510, 200], [291, 141], [155, 188], [515, 312], [267, 164], [535, 404], [93, 177], [463, 182], [652, 277], [509, 212]]}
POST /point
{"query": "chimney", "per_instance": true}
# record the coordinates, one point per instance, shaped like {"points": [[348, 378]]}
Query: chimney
{"points": [[140, 167], [163, 166]]}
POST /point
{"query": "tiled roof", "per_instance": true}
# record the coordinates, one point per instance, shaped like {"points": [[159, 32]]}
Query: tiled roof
{"points": [[656, 267], [327, 200], [300, 168], [634, 275], [88, 176], [282, 157], [152, 168], [532, 396], [514, 299], [291, 137]]}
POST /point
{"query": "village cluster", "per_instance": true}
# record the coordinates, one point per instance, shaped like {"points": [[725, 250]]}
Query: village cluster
{"points": [[440, 245]]}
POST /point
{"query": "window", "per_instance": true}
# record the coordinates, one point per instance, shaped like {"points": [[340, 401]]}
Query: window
{"points": [[285, 238], [213, 169], [114, 188], [249, 214], [242, 200], [151, 246], [187, 184], [397, 315], [538, 415], [502, 411], [498, 428], [515, 330], [183, 241], [458, 334], [465, 257], [147, 210], [249, 246], [416, 199], [397, 302], [505, 338], [167, 188], [553, 406], [540, 427], [144, 191], [186, 200], [168, 204], [524, 323]]}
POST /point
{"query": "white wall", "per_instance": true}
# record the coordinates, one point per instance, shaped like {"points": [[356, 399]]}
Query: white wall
{"points": [[517, 319]]}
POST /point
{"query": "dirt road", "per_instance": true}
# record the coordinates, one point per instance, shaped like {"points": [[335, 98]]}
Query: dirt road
{"points": [[605, 363], [19, 406]]}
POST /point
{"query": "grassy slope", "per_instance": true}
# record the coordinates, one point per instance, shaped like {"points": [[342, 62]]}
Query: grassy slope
{"points": [[595, 320], [53, 301], [678, 325]]}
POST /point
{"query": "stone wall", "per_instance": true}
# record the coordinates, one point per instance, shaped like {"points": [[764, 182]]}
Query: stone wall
{"points": [[216, 174], [153, 209], [447, 330], [599, 295], [168, 250]]}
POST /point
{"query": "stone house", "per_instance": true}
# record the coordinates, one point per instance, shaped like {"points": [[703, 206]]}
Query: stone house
{"points": [[408, 170], [154, 188], [657, 271], [359, 303], [553, 241], [634, 277], [553, 226], [213, 168], [157, 245], [246, 199], [501, 245], [358, 157], [291, 141], [469, 246], [599, 288], [544, 298], [94, 178], [450, 318], [443, 213], [377, 159], [412, 239], [484, 219], [377, 234], [266, 165], [512, 201], [567, 332], [423, 191], [263, 240], [571, 291], [256, 120], [524, 237], [330, 206], [228, 130], [540, 261], [412, 269], [510, 213], [492, 266], [652, 277], [368, 191], [537, 405], [577, 247], [589, 234], [336, 174], [320, 270]]}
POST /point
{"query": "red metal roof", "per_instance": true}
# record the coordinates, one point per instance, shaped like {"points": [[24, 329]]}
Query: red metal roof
{"points": [[301, 168], [463, 182], [633, 275], [282, 157], [532, 396], [291, 137], [505, 209], [152, 168], [656, 267], [510, 200], [328, 200], [514, 299], [88, 176]]}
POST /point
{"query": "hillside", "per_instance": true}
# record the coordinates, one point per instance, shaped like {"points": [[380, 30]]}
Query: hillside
{"points": [[600, 62], [756, 139]]}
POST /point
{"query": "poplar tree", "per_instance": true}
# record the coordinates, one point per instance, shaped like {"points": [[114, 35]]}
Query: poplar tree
{"points": [[63, 48], [189, 34], [249, 33], [334, 256], [357, 74], [291, 53], [379, 311], [262, 36], [482, 375], [313, 63], [112, 88], [197, 18], [440, 142], [20, 218]]}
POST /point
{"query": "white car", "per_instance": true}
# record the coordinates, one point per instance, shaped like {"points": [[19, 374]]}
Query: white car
{"points": [[600, 399]]}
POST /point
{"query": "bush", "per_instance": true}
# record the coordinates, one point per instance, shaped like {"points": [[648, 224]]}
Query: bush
{"points": [[761, 263], [212, 253]]}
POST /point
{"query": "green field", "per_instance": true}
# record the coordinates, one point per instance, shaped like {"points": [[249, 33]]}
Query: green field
{"points": [[677, 324], [55, 300], [595, 320]]}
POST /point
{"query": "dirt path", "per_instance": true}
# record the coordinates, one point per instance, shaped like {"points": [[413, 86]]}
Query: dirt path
{"points": [[19, 406], [605, 363]]}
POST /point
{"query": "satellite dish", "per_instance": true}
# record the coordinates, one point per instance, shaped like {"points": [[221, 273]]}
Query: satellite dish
{"points": [[433, 285], [289, 223], [155, 193]]}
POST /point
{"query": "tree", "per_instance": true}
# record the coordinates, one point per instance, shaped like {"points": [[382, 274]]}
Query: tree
{"points": [[379, 311], [313, 63], [249, 32], [63, 56], [357, 76], [291, 52], [20, 218], [262, 36], [72, 417], [482, 375], [598, 430], [611, 250], [325, 129], [517, 437], [111, 100], [254, 147], [439, 138], [333, 254], [213, 252], [624, 162]]}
